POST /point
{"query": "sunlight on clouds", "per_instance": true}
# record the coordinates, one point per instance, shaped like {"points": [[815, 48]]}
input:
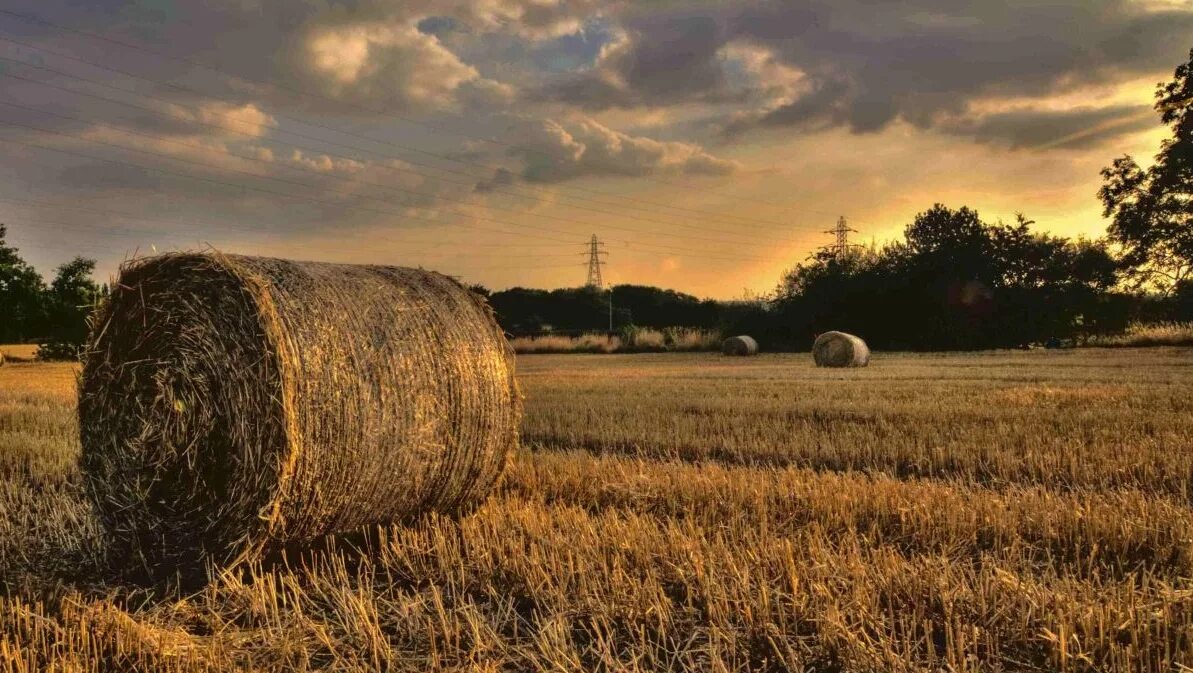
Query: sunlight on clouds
{"points": [[228, 119], [340, 54], [1128, 92], [774, 117], [383, 61]]}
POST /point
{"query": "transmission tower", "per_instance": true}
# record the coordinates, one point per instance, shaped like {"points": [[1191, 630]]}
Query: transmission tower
{"points": [[842, 245], [595, 252]]}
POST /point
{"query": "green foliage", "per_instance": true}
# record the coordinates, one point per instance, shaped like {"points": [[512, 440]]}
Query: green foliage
{"points": [[22, 312], [1152, 208], [56, 314], [629, 334], [69, 302], [584, 309]]}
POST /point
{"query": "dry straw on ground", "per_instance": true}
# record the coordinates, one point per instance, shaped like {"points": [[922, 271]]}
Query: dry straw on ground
{"points": [[739, 345], [838, 349], [230, 404]]}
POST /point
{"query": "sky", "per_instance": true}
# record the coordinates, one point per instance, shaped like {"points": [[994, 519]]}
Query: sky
{"points": [[708, 145]]}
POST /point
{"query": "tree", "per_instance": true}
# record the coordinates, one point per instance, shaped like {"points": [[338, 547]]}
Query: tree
{"points": [[69, 302], [955, 282], [21, 288], [1152, 208]]}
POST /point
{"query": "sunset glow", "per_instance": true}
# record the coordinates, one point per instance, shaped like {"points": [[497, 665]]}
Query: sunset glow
{"points": [[709, 145]]}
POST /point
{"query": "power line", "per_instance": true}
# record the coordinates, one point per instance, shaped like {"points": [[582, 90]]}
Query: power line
{"points": [[300, 168], [302, 197], [487, 167], [33, 204], [75, 248], [420, 260], [30, 203]]}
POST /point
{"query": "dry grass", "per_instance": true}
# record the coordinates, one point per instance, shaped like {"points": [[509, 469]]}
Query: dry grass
{"points": [[585, 343], [1151, 334], [19, 352], [635, 341], [231, 406], [995, 511]]}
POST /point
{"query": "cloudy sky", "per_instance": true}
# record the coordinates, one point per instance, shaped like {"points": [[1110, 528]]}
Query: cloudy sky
{"points": [[708, 144]]}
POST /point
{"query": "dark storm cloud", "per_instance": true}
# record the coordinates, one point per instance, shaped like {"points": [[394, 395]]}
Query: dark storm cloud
{"points": [[664, 59], [866, 64], [800, 65], [823, 105]]}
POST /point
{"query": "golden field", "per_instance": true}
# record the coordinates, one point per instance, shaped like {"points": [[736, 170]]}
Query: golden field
{"points": [[18, 352], [1006, 511]]}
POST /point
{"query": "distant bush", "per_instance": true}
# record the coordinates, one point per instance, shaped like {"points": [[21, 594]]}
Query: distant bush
{"points": [[1151, 334], [58, 350], [631, 339], [684, 339], [586, 343]]}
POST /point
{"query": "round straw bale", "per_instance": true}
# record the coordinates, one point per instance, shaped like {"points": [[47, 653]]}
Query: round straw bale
{"points": [[739, 345], [229, 405], [838, 349]]}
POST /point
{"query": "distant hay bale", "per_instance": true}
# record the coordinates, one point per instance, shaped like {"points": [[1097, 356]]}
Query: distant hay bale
{"points": [[739, 345], [229, 405], [838, 349]]}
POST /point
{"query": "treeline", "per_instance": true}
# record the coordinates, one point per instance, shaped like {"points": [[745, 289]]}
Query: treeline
{"points": [[523, 311], [954, 281], [52, 314], [957, 282]]}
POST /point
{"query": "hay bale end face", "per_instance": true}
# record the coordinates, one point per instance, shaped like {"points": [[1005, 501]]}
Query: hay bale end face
{"points": [[838, 349], [230, 404], [739, 345]]}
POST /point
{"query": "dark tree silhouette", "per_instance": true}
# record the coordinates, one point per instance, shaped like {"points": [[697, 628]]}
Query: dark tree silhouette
{"points": [[1152, 209], [70, 300], [955, 282], [21, 311]]}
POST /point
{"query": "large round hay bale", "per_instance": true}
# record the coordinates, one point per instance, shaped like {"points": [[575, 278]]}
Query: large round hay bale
{"points": [[739, 345], [838, 349], [229, 405]]}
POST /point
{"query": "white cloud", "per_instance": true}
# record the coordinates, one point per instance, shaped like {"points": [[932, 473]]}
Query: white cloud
{"points": [[391, 64], [247, 119]]}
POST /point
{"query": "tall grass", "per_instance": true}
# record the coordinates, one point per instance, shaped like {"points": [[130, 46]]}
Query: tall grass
{"points": [[1150, 334], [632, 340]]}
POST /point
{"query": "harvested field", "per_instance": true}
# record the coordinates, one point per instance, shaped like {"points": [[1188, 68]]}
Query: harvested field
{"points": [[987, 511], [18, 352]]}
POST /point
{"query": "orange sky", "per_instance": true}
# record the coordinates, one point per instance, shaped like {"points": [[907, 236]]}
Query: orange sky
{"points": [[709, 145]]}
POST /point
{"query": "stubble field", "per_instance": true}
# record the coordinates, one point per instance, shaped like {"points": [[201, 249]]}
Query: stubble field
{"points": [[992, 511]]}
